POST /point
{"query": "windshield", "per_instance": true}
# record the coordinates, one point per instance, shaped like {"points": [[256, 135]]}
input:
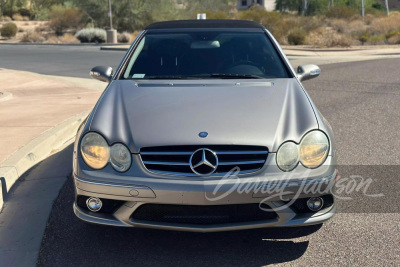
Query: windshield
{"points": [[205, 54]]}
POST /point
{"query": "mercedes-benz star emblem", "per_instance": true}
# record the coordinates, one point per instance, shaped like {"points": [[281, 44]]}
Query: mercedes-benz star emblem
{"points": [[203, 161]]}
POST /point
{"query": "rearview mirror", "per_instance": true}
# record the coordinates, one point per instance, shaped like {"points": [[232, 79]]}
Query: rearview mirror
{"points": [[307, 72], [102, 73]]}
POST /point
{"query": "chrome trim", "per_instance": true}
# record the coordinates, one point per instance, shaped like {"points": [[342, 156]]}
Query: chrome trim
{"points": [[187, 164], [178, 162], [217, 152], [166, 163], [241, 162], [241, 152], [166, 153]]}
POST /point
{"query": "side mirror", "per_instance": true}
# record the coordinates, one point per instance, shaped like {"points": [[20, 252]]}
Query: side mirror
{"points": [[307, 72], [102, 73]]}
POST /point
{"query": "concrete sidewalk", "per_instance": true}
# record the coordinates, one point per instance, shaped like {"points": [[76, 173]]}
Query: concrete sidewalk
{"points": [[38, 114]]}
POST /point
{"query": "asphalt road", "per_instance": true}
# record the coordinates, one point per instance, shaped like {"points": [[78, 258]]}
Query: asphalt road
{"points": [[74, 61], [361, 101]]}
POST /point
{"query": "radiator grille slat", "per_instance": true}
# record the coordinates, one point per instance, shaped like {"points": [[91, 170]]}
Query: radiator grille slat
{"points": [[175, 160]]}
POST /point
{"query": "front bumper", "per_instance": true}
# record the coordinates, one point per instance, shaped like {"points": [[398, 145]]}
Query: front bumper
{"points": [[206, 193]]}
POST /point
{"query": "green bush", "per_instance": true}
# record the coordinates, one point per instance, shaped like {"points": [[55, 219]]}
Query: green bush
{"points": [[376, 39], [91, 35], [9, 30], [377, 5], [297, 37], [363, 37], [24, 12]]}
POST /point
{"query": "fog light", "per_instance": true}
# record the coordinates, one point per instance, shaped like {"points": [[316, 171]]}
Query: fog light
{"points": [[315, 203], [94, 204]]}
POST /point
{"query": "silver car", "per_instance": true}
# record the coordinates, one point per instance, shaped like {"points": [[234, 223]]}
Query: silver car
{"points": [[205, 126]]}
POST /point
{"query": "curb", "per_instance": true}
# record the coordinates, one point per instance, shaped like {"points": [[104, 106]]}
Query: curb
{"points": [[35, 151], [116, 48]]}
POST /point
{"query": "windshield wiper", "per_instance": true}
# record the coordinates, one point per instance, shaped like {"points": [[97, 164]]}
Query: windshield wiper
{"points": [[235, 76]]}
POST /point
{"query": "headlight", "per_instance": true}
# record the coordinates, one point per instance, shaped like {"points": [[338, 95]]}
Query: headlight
{"points": [[95, 150], [314, 148], [287, 157], [120, 157]]}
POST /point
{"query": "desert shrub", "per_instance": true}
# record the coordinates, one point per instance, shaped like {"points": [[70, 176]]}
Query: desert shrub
{"points": [[340, 25], [356, 26], [20, 30], [25, 18], [9, 30], [389, 35], [297, 37], [306, 23], [385, 24], [32, 37], [91, 35], [41, 28], [218, 14], [64, 39], [394, 39], [124, 37], [17, 17], [376, 39], [69, 39], [369, 18], [273, 21], [62, 18], [5, 18], [341, 12], [327, 38]]}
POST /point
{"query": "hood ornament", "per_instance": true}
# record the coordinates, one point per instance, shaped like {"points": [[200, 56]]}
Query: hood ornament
{"points": [[203, 134], [203, 162]]}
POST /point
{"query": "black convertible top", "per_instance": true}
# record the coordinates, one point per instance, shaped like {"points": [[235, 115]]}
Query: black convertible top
{"points": [[204, 23]]}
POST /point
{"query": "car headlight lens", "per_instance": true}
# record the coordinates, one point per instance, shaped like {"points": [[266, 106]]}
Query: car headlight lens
{"points": [[120, 157], [95, 150], [314, 149], [287, 157]]}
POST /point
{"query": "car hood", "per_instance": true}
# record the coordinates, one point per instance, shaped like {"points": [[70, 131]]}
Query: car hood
{"points": [[232, 112]]}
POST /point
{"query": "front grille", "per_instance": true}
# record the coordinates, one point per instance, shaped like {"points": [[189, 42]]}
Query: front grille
{"points": [[202, 215], [176, 159]]}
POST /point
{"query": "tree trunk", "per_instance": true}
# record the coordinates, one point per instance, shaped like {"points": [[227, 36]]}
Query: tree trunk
{"points": [[305, 6]]}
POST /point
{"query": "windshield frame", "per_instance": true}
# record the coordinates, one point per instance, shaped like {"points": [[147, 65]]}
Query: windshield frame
{"points": [[119, 74]]}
